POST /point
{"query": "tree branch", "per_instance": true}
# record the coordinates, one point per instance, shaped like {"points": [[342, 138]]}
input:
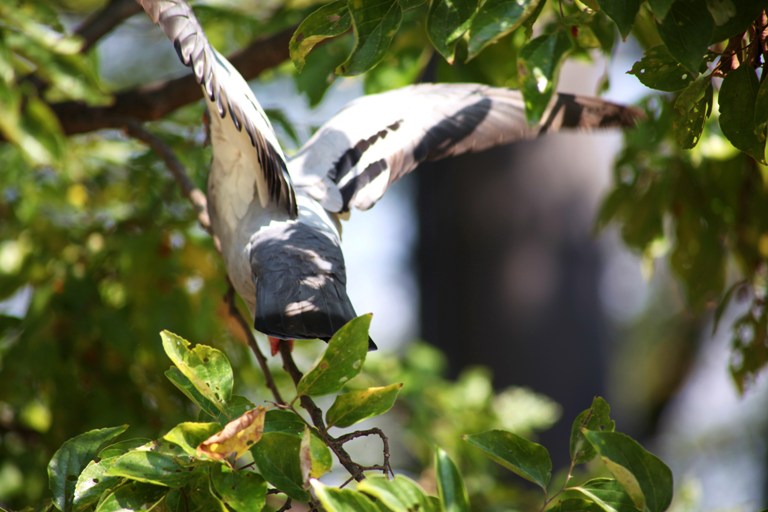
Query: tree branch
{"points": [[154, 101], [102, 22]]}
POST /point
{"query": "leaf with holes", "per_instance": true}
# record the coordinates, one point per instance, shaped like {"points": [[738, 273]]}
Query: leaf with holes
{"points": [[644, 477], [189, 435], [152, 467], [686, 30], [342, 359], [206, 368], [659, 70], [70, 460], [540, 61], [597, 417], [692, 107]]}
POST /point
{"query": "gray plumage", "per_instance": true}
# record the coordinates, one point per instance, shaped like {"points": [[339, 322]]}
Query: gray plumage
{"points": [[278, 223]]}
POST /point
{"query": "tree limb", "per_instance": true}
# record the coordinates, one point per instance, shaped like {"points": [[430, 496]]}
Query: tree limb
{"points": [[154, 101], [102, 22]]}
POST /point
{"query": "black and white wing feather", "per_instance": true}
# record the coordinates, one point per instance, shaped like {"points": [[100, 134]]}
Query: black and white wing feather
{"points": [[228, 95], [377, 139]]}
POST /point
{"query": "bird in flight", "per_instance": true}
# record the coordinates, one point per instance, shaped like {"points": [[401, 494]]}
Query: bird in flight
{"points": [[278, 219]]}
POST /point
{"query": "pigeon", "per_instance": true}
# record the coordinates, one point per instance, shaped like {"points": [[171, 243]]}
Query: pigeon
{"points": [[278, 220]]}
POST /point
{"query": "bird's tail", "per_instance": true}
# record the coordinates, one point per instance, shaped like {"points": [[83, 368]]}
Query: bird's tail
{"points": [[582, 112]]}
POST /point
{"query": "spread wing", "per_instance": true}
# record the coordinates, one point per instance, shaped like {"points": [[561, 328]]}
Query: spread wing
{"points": [[354, 157], [247, 138]]}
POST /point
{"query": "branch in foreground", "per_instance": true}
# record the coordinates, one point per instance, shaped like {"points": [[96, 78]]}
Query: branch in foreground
{"points": [[154, 101]]}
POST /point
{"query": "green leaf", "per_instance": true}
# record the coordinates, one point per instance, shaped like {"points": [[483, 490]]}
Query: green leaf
{"points": [[375, 24], [121, 447], [350, 408], [645, 478], [189, 435], [607, 493], [316, 457], [738, 95], [732, 16], [660, 8], [318, 72], [93, 482], [184, 385], [686, 30], [342, 359], [330, 20], [496, 19], [598, 418], [242, 491], [287, 422], [151, 467], [399, 493], [450, 486], [622, 12], [540, 60], [658, 69], [71, 458], [521, 456], [343, 500], [206, 368], [132, 497], [691, 110], [443, 22], [277, 455]]}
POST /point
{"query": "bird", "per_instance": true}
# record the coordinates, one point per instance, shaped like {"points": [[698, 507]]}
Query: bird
{"points": [[278, 220]]}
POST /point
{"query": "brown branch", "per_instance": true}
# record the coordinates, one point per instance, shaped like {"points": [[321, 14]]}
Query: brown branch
{"points": [[102, 22], [385, 467], [229, 299], [177, 170], [154, 101]]}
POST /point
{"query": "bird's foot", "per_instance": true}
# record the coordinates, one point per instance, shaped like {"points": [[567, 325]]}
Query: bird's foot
{"points": [[274, 344]]}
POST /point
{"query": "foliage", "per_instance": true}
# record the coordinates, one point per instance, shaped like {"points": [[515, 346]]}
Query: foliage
{"points": [[99, 252], [204, 465]]}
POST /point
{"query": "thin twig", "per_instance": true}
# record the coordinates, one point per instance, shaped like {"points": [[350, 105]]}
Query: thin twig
{"points": [[375, 431], [176, 168], [234, 312]]}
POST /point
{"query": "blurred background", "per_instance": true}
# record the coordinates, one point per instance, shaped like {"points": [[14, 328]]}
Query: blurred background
{"points": [[494, 259]]}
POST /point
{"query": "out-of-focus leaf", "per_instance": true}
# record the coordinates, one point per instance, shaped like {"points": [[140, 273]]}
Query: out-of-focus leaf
{"points": [[330, 20], [660, 8], [686, 30], [521, 456], [189, 435], [343, 500], [315, 455], [645, 478], [130, 497], [658, 69], [443, 22], [399, 493], [732, 16], [342, 359], [541, 59], [598, 418], [450, 485], [151, 467], [607, 493], [277, 455], [495, 19], [375, 25], [206, 368], [622, 12], [242, 491], [691, 110], [73, 456], [350, 408], [737, 98], [236, 437], [318, 72]]}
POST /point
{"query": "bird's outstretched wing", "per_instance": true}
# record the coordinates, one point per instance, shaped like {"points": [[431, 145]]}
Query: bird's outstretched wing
{"points": [[377, 139], [228, 95]]}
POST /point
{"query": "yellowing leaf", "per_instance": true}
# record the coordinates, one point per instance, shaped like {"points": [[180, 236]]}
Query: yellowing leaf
{"points": [[237, 437]]}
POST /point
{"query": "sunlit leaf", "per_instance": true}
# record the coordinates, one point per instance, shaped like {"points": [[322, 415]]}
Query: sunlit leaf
{"points": [[315, 456], [443, 22], [495, 19], [342, 359], [375, 25], [151, 467], [236, 437], [645, 478], [521, 456], [242, 491], [93, 482], [350, 408], [608, 494], [330, 20], [135, 496], [398, 493], [189, 435], [541, 59], [450, 485], [342, 500], [71, 458]]}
